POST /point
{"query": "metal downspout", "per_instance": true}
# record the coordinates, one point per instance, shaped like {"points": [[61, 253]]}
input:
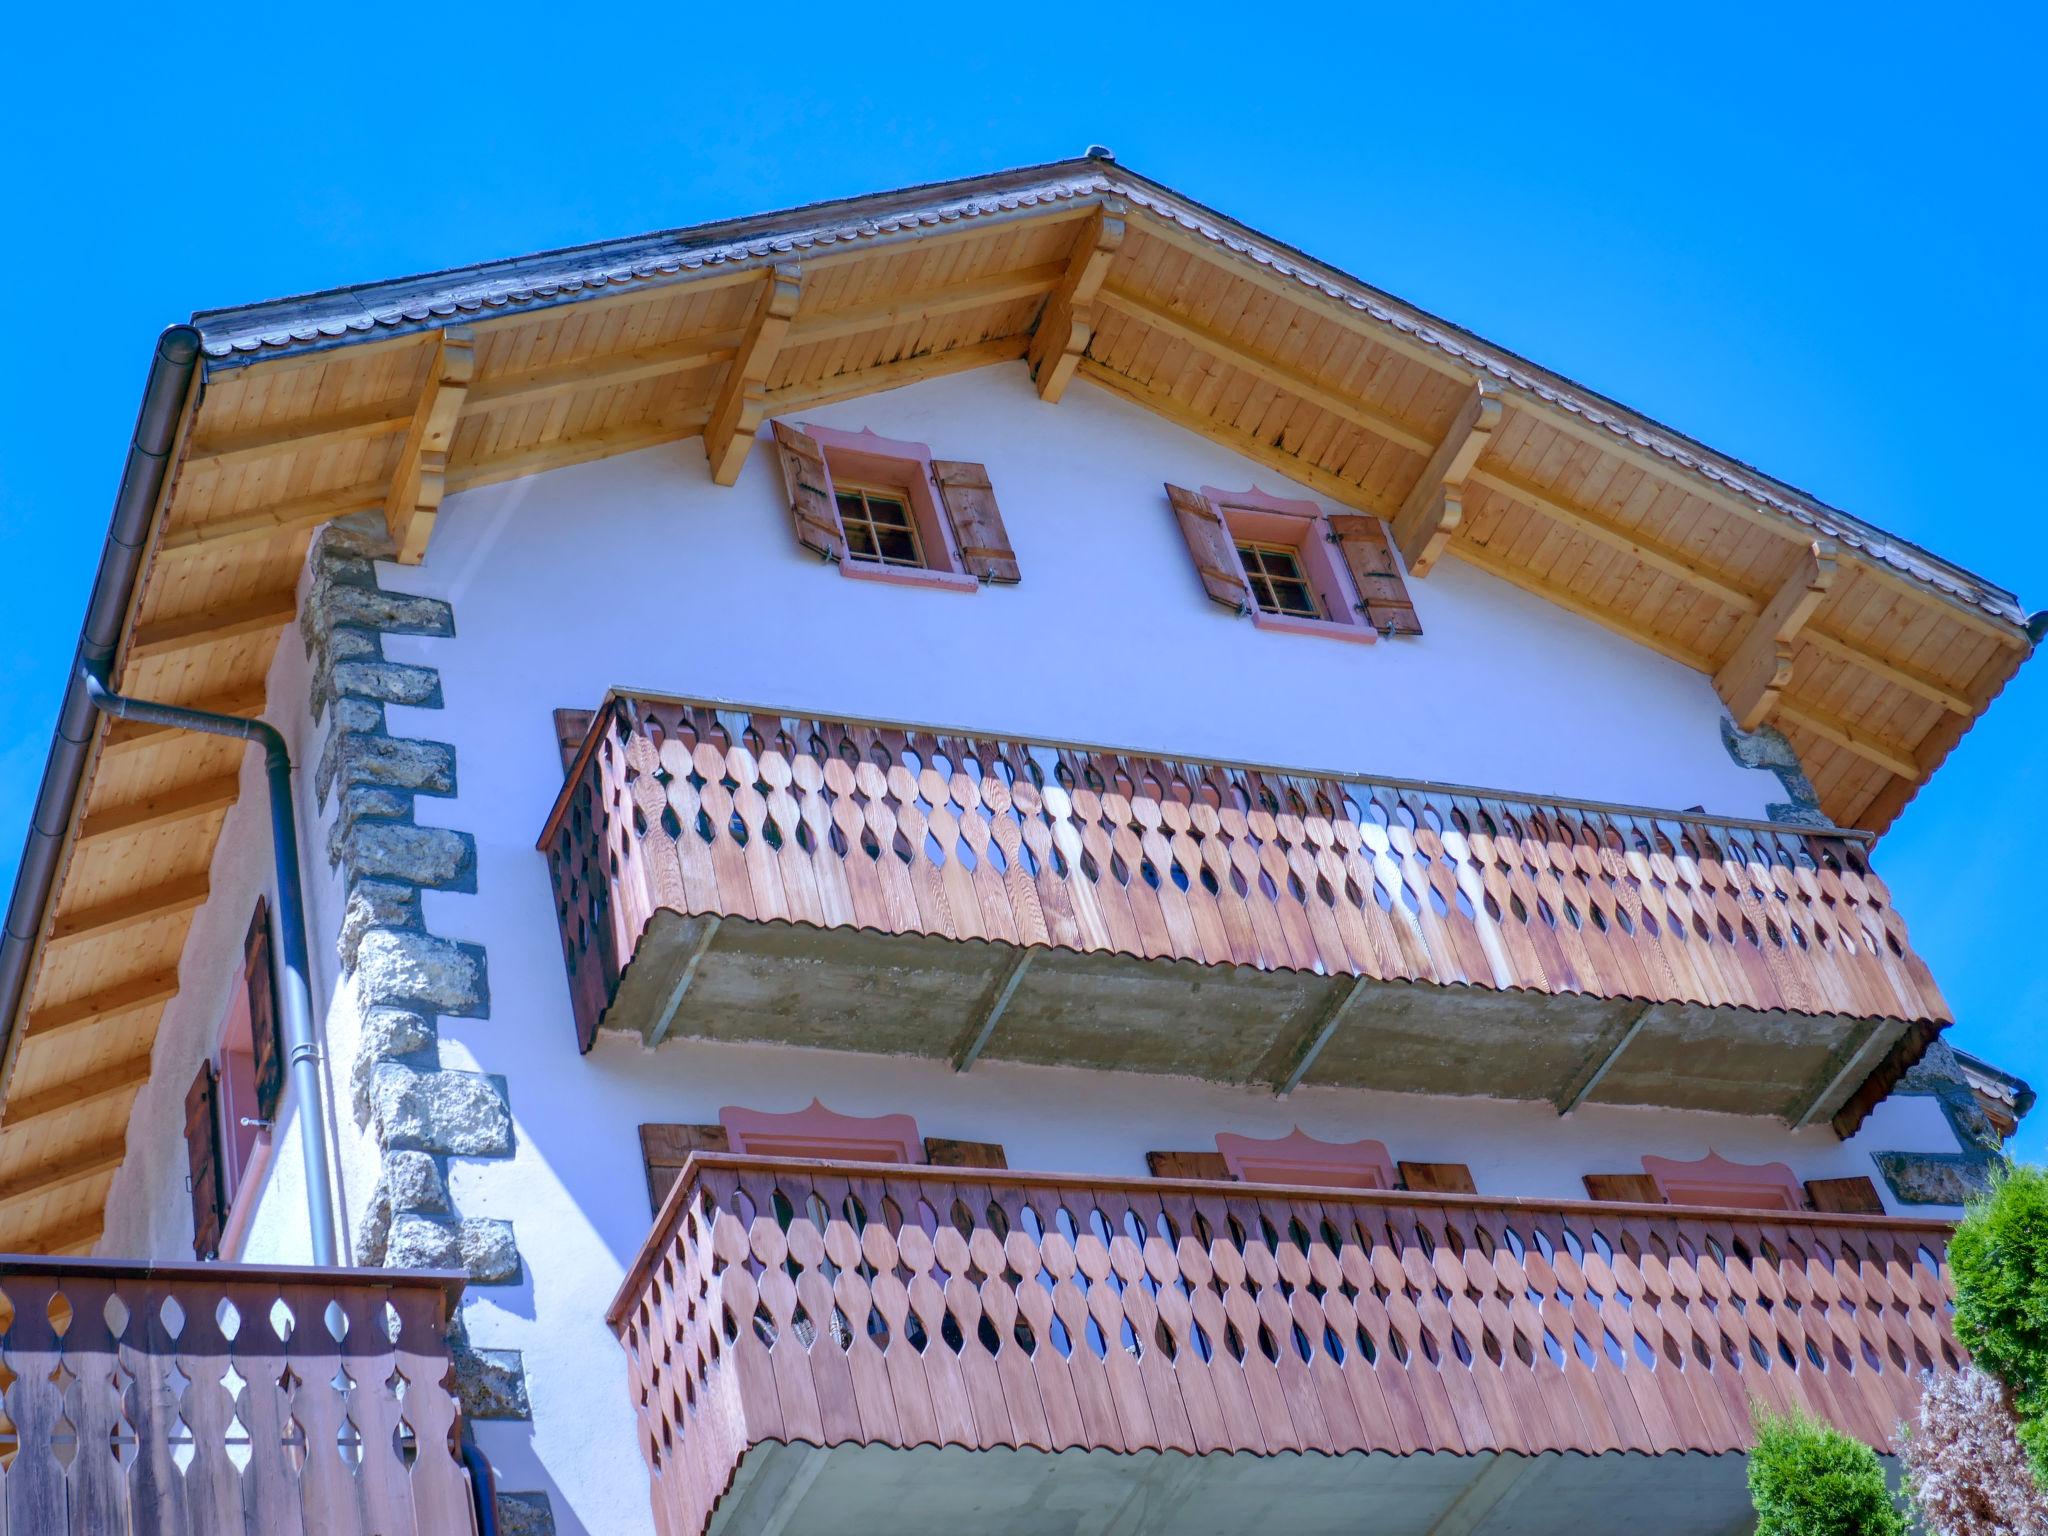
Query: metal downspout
{"points": [[295, 992]]}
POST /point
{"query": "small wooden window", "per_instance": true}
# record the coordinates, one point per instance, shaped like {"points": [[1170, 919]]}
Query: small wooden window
{"points": [[1277, 581], [879, 525]]}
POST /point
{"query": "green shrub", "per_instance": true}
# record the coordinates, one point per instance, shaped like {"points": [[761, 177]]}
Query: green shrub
{"points": [[1807, 1479], [1999, 1257]]}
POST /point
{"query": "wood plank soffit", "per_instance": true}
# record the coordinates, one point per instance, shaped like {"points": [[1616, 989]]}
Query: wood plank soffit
{"points": [[1068, 320], [741, 402], [184, 802], [1753, 680], [1435, 505], [78, 1233], [125, 912], [417, 482], [256, 615], [84, 1163], [78, 1091], [130, 996]]}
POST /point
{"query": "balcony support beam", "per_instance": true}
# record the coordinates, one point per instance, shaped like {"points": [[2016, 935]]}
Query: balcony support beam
{"points": [[665, 1021], [978, 1034], [1436, 502], [1752, 681], [1610, 1050], [1319, 1029], [420, 478], [1067, 322], [1857, 1057]]}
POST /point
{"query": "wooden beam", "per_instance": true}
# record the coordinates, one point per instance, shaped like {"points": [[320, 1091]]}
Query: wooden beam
{"points": [[887, 314], [126, 736], [1068, 320], [530, 386], [384, 419], [573, 450], [122, 997], [1831, 644], [185, 802], [1753, 680], [80, 1232], [1658, 556], [1858, 1056], [1435, 504], [909, 370], [1884, 807], [1607, 1050], [1361, 414], [107, 1083], [741, 401], [665, 1021], [293, 516], [1486, 560], [418, 480], [253, 616], [125, 912], [1874, 749], [71, 1168]]}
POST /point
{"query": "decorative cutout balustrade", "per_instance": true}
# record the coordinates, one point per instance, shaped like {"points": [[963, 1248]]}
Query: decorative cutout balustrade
{"points": [[841, 1304], [215, 1400], [703, 810]]}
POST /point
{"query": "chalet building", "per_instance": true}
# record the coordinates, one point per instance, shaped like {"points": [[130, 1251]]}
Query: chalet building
{"points": [[997, 857]]}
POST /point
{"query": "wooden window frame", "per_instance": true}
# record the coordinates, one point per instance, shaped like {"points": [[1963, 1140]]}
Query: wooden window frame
{"points": [[1302, 1159], [1302, 529], [868, 496], [817, 1132], [864, 461], [1715, 1181]]}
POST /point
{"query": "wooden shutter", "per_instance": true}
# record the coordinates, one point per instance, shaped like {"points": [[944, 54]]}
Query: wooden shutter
{"points": [[810, 495], [1210, 545], [1187, 1165], [1637, 1187], [1844, 1197], [266, 1029], [1437, 1178], [202, 1155], [977, 525], [1369, 555], [665, 1148], [943, 1152]]}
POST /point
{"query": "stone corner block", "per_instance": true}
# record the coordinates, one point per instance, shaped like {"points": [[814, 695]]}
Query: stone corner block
{"points": [[490, 1383], [457, 1114], [399, 966], [1935, 1178], [525, 1514]]}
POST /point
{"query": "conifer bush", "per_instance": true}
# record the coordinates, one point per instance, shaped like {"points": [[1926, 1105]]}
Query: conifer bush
{"points": [[1999, 1258], [1808, 1479]]}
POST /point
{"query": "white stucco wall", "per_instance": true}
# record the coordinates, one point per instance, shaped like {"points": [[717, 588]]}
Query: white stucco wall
{"points": [[638, 572]]}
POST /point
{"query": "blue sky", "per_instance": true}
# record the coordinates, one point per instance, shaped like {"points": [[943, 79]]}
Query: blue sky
{"points": [[1811, 240]]}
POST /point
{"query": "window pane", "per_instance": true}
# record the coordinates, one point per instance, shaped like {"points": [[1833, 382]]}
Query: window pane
{"points": [[896, 545], [860, 541]]}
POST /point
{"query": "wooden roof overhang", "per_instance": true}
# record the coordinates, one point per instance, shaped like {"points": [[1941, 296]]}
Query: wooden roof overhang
{"points": [[1873, 656]]}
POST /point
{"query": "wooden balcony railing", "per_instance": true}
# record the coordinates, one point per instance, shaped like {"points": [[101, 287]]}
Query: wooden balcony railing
{"points": [[216, 1400], [862, 1304], [698, 809]]}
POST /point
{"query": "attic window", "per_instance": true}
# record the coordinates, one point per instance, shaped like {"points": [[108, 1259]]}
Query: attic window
{"points": [[1277, 581], [888, 511]]}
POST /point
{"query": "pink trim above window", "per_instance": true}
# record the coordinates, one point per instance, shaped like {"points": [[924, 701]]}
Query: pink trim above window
{"points": [[895, 464], [816, 1131], [1259, 517], [1714, 1180], [1299, 1158]]}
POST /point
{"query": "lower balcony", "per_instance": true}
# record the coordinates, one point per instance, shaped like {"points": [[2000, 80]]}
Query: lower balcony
{"points": [[756, 875], [818, 1348], [220, 1400]]}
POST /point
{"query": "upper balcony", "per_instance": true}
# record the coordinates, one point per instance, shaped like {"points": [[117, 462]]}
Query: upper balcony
{"points": [[216, 1400], [752, 875], [817, 1347]]}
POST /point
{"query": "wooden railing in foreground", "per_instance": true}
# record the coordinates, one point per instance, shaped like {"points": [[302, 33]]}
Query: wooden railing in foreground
{"points": [[215, 1400], [708, 809], [835, 1304]]}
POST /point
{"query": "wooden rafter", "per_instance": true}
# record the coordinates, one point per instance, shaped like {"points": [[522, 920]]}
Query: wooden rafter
{"points": [[1753, 680], [1293, 381], [107, 1083], [331, 431], [120, 998], [417, 481], [1068, 319], [1435, 504], [162, 808], [78, 1233], [155, 902], [71, 1168], [531, 386], [1852, 738], [293, 516], [741, 402], [952, 299], [252, 616]]}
